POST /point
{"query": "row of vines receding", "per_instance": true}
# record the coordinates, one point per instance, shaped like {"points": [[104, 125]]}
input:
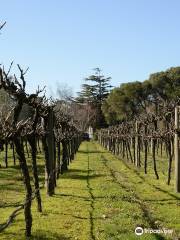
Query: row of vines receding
{"points": [[32, 124], [149, 138]]}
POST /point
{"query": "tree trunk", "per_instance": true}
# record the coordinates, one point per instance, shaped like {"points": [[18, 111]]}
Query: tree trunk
{"points": [[6, 154], [26, 145], [170, 161], [145, 150], [14, 156], [177, 152], [154, 143], [48, 145], [137, 146], [58, 160], [64, 156], [32, 142], [26, 179], [154, 157]]}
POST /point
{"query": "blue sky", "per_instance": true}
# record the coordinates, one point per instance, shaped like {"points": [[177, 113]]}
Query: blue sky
{"points": [[63, 40]]}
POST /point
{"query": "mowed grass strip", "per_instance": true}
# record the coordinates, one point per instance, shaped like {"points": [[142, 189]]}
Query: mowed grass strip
{"points": [[99, 197], [143, 200]]}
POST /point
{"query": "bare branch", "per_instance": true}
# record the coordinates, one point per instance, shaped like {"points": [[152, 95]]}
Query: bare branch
{"points": [[22, 76], [2, 25], [10, 68]]}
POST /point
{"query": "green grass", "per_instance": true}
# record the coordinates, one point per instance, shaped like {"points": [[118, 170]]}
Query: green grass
{"points": [[99, 198]]}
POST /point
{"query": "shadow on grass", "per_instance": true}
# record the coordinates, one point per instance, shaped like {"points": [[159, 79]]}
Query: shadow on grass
{"points": [[78, 170], [10, 187], [7, 205], [59, 195], [81, 177], [10, 167], [47, 235], [164, 191], [13, 167], [38, 235], [7, 174], [164, 201], [160, 200], [82, 218], [86, 151]]}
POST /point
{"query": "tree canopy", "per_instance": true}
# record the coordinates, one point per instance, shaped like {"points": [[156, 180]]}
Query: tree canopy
{"points": [[131, 99]]}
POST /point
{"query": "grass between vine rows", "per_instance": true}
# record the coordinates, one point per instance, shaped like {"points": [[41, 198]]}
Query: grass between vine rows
{"points": [[99, 197]]}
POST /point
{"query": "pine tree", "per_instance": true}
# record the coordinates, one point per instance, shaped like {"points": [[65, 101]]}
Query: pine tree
{"points": [[95, 94]]}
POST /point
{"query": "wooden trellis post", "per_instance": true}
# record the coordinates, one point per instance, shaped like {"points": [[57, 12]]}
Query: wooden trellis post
{"points": [[137, 154], [109, 140], [177, 151], [50, 165]]}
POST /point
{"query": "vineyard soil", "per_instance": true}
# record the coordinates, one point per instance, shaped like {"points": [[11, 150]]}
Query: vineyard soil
{"points": [[100, 198]]}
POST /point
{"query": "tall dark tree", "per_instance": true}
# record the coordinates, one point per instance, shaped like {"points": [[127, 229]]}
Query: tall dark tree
{"points": [[134, 98], [94, 94]]}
